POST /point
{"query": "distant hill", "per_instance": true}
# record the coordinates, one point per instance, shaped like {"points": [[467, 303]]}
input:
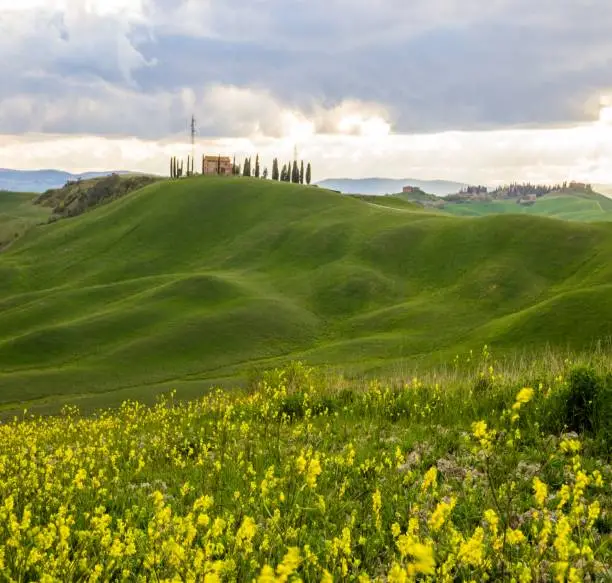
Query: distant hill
{"points": [[417, 195], [575, 205], [389, 185], [188, 281], [42, 180]]}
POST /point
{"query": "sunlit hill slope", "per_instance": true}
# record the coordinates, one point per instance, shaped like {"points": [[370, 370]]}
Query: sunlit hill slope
{"points": [[187, 281]]}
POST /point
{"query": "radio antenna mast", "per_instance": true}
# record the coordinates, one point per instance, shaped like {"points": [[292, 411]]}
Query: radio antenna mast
{"points": [[193, 134]]}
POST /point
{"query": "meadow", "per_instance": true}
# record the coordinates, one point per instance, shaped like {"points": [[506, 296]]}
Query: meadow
{"points": [[309, 477], [192, 283]]}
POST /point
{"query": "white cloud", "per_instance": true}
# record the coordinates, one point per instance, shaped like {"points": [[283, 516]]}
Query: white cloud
{"points": [[221, 110], [253, 112], [91, 36]]}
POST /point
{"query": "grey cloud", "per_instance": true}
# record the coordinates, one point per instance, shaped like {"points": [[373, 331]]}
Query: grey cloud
{"points": [[433, 65]]}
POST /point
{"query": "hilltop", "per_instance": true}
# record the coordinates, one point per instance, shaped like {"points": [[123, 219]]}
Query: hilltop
{"points": [[379, 186], [188, 282]]}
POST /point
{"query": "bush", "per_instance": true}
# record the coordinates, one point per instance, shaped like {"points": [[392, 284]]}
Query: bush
{"points": [[584, 400], [292, 406]]}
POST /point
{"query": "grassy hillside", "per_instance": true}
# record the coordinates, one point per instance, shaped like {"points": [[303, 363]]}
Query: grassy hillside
{"points": [[79, 196], [195, 280], [17, 214], [391, 201], [577, 206]]}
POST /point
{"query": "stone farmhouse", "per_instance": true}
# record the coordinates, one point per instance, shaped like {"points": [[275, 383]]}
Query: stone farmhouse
{"points": [[212, 165]]}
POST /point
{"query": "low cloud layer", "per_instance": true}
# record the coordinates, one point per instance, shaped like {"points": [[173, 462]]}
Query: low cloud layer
{"points": [[581, 153]]}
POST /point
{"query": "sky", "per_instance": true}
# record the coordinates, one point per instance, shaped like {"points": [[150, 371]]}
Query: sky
{"points": [[467, 90]]}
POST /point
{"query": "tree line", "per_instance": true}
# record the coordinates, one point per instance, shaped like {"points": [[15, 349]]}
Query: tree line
{"points": [[516, 190], [294, 171], [291, 172]]}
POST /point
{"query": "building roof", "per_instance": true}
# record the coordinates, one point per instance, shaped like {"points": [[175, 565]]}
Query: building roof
{"points": [[216, 158]]}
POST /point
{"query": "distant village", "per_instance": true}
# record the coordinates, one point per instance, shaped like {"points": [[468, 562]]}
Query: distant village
{"points": [[523, 194]]}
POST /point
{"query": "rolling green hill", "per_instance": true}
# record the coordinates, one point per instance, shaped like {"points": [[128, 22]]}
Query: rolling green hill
{"points": [[577, 206], [185, 282], [79, 196], [17, 214]]}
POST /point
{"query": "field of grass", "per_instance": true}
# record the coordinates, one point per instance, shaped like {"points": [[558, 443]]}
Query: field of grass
{"points": [[17, 215], [307, 477], [189, 283], [575, 206]]}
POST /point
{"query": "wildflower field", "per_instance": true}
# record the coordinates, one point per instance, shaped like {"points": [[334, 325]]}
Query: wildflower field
{"points": [[305, 477]]}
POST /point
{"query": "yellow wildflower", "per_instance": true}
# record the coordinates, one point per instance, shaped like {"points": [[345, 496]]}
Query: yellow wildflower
{"points": [[376, 506], [515, 537], [540, 491], [441, 513], [524, 396], [471, 551], [397, 574], [430, 478]]}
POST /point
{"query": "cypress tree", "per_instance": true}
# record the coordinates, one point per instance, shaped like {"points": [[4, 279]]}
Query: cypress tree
{"points": [[275, 174], [302, 172], [265, 173], [308, 173], [295, 173], [257, 166]]}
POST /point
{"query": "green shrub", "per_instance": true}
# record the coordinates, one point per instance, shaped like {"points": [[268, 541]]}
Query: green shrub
{"points": [[293, 406], [323, 405], [583, 400]]}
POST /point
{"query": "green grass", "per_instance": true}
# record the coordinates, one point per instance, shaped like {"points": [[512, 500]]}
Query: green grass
{"points": [[17, 215], [185, 282], [576, 206]]}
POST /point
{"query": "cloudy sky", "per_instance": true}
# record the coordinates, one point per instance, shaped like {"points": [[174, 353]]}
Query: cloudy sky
{"points": [[471, 90]]}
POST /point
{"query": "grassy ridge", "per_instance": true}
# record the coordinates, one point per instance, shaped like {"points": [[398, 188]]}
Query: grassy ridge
{"points": [[199, 279], [575, 206]]}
